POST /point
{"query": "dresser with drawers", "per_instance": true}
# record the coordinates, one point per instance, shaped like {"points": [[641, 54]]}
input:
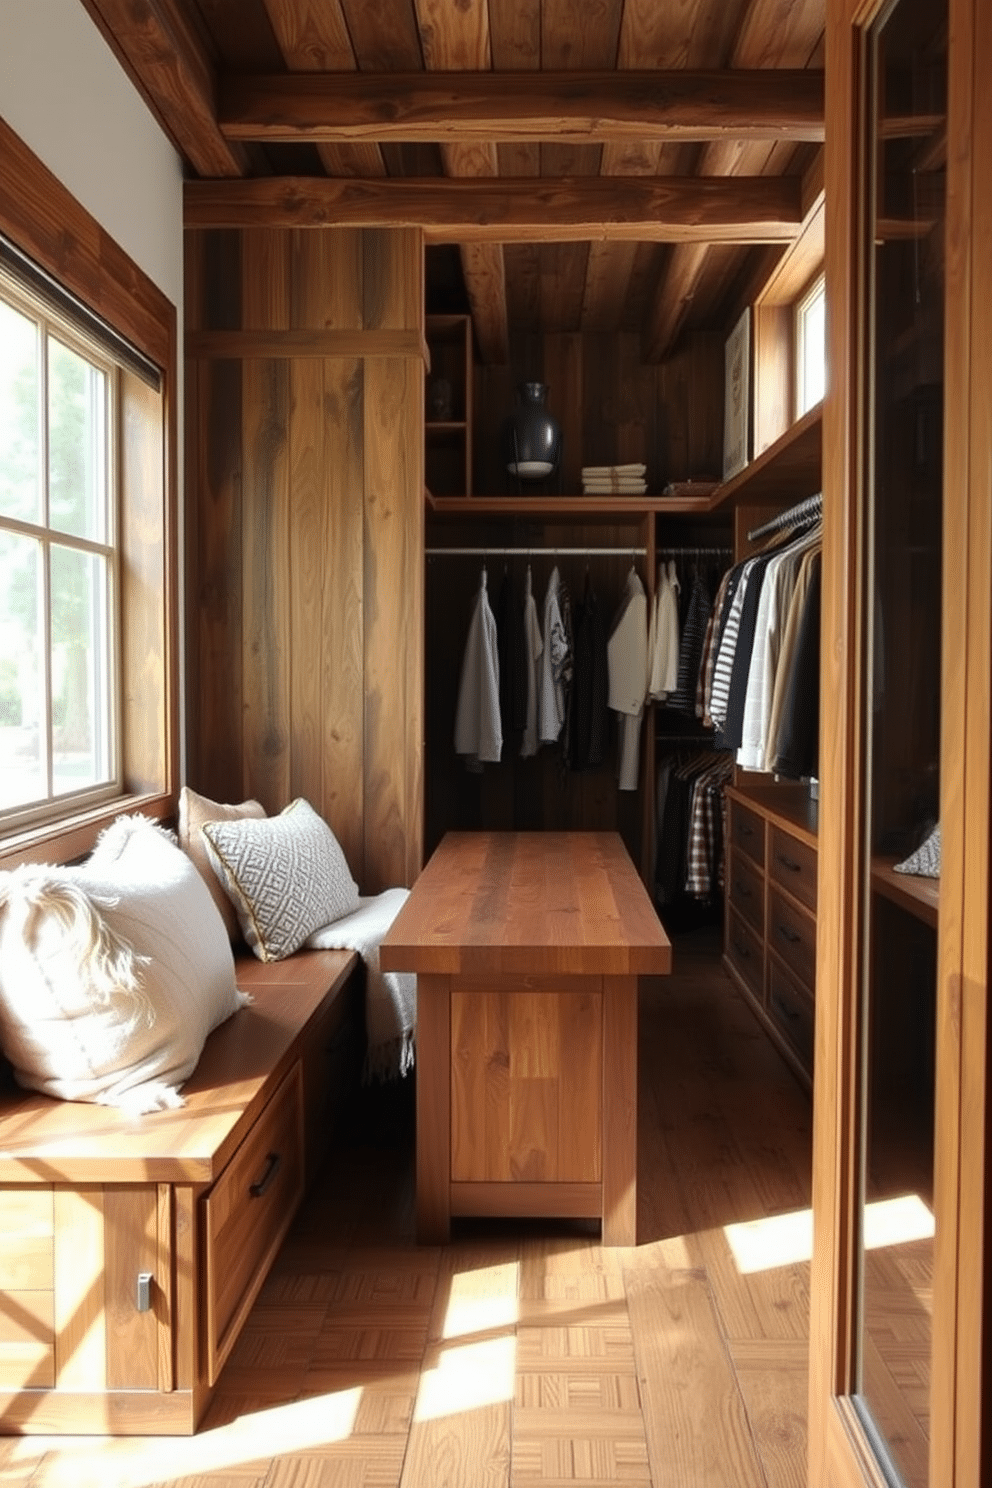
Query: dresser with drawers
{"points": [[770, 925]]}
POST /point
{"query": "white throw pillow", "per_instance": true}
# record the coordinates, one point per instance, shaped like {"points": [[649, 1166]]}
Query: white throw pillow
{"points": [[286, 876], [112, 974]]}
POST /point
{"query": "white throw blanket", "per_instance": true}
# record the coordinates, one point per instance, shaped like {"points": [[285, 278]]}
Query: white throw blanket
{"points": [[390, 996]]}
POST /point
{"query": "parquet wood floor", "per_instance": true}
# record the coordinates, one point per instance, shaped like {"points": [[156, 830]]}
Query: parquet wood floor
{"points": [[527, 1354]]}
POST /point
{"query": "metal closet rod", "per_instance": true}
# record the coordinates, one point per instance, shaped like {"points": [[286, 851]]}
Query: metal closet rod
{"points": [[622, 552], [803, 511]]}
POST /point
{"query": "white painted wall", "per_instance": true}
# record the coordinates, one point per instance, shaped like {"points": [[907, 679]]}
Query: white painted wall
{"points": [[64, 93]]}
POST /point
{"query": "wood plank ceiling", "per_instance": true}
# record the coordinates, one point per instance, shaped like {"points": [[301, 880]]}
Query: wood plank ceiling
{"points": [[590, 166]]}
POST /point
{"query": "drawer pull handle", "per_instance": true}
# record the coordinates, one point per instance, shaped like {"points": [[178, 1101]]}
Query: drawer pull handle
{"points": [[743, 830], [744, 891], [789, 863], [789, 934], [742, 950], [272, 1165], [786, 1012]]}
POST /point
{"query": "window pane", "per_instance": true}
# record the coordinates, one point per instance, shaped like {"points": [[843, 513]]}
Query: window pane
{"points": [[80, 671], [812, 350], [77, 444], [22, 685], [19, 418]]}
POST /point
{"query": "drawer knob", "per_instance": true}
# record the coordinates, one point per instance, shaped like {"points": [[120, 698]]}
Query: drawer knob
{"points": [[743, 830], [742, 950], [789, 863], [272, 1165], [787, 933]]}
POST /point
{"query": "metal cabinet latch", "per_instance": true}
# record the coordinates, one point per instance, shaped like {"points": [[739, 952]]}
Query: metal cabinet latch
{"points": [[144, 1291]]}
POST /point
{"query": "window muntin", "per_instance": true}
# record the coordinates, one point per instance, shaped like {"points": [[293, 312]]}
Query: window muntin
{"points": [[59, 621], [811, 347]]}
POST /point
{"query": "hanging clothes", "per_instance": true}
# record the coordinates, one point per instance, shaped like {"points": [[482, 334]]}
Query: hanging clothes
{"points": [[807, 567], [694, 628], [773, 611], [589, 713], [556, 663], [512, 669], [478, 731], [663, 646], [627, 663], [691, 836], [533, 650], [797, 744]]}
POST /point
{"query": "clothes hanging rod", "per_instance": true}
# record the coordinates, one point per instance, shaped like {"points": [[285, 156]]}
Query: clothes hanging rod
{"points": [[536, 551], [803, 511]]}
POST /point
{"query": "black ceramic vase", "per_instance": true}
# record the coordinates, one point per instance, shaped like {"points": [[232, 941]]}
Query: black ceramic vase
{"points": [[530, 440]]}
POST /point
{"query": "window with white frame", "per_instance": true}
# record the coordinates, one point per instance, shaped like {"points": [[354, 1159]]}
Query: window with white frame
{"points": [[811, 347], [59, 620]]}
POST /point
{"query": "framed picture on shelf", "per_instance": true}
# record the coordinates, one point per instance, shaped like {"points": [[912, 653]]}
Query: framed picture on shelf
{"points": [[737, 398]]}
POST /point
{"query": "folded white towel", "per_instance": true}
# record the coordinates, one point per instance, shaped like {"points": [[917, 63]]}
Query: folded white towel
{"points": [[607, 472]]}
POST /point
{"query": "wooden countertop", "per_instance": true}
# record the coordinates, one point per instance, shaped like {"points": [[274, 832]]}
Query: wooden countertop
{"points": [[544, 903]]}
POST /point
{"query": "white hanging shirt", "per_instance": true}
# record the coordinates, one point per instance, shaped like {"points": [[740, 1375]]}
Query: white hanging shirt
{"points": [[478, 729], [627, 668]]}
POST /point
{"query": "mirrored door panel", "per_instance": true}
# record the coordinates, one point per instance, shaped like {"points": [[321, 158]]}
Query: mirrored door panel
{"points": [[905, 181]]}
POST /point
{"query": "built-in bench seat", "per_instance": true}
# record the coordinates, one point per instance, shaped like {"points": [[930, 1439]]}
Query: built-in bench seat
{"points": [[132, 1248]]}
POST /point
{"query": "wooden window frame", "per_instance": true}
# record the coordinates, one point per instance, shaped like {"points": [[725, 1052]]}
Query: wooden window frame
{"points": [[45, 222]]}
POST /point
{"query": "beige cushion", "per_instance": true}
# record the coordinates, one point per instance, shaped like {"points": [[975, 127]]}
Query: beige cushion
{"points": [[286, 876], [112, 974], [194, 810]]}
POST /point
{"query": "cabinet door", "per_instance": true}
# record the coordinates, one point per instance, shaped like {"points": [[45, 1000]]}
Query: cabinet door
{"points": [[899, 1327]]}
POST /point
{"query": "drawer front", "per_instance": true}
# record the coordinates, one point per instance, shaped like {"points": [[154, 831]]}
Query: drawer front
{"points": [[792, 1012], [747, 832], [747, 891], [744, 953], [792, 935], [247, 1213], [793, 865]]}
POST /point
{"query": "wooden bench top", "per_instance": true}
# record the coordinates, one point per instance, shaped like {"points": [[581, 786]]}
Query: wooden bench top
{"points": [[52, 1141], [547, 903]]}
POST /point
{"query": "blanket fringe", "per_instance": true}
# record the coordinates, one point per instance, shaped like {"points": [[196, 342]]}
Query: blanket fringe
{"points": [[390, 1061]]}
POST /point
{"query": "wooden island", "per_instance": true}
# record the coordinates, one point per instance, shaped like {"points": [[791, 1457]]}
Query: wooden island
{"points": [[527, 948]]}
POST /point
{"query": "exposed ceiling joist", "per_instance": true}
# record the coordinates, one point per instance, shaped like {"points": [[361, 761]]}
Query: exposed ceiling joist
{"points": [[169, 66], [739, 209], [576, 107]]}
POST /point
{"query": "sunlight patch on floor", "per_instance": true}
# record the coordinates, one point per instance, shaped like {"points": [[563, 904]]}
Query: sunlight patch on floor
{"points": [[897, 1221], [779, 1240], [132, 1462], [787, 1239], [483, 1300], [467, 1377]]}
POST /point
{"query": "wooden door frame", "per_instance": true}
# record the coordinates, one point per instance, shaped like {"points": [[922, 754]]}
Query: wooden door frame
{"points": [[840, 1451]]}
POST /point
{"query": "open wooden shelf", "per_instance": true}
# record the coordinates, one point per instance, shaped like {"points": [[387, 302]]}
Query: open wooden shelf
{"points": [[920, 897], [786, 471]]}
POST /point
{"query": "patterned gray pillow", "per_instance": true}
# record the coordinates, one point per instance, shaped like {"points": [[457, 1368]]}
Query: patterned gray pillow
{"points": [[286, 876]]}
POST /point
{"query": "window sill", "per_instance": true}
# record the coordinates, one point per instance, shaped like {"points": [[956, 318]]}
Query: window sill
{"points": [[72, 837]]}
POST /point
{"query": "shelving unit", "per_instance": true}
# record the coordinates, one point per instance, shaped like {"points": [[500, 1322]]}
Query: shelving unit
{"points": [[448, 438]]}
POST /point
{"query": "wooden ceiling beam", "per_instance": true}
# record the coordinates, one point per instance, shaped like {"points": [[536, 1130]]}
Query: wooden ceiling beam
{"points": [[708, 209], [169, 66], [506, 107]]}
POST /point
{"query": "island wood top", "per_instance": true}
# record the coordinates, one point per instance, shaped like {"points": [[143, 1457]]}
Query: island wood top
{"points": [[544, 903]]}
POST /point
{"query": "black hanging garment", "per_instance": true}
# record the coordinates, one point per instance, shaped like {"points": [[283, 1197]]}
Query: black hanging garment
{"points": [[589, 712]]}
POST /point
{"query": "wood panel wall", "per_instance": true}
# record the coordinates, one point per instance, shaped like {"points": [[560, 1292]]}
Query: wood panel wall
{"points": [[304, 531], [612, 407]]}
